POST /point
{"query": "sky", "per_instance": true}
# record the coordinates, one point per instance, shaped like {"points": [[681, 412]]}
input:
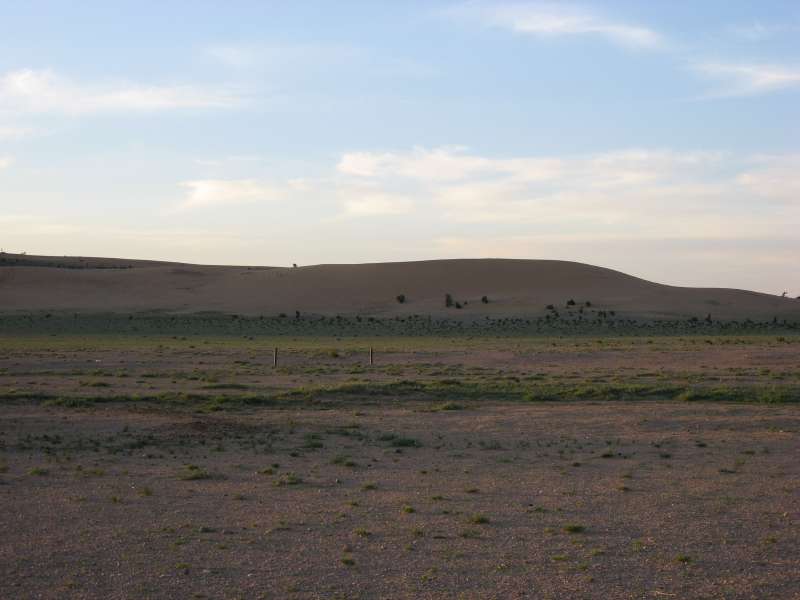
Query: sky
{"points": [[661, 139]]}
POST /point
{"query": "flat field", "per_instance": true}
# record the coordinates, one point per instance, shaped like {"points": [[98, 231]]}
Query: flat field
{"points": [[563, 467]]}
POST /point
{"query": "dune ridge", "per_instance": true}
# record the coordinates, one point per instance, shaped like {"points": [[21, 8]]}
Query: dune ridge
{"points": [[513, 287]]}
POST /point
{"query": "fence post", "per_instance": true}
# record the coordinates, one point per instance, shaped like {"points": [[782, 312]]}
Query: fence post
{"points": [[370, 355], [274, 357]]}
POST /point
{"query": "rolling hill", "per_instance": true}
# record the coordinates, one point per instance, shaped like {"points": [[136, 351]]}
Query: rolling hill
{"points": [[513, 288]]}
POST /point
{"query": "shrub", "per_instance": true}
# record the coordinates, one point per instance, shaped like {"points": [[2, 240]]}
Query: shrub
{"points": [[479, 519], [448, 300], [194, 473], [570, 302], [401, 298], [485, 300], [287, 479], [405, 442]]}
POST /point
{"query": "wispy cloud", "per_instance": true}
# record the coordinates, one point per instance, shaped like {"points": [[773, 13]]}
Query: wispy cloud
{"points": [[15, 133], [774, 177], [443, 164], [660, 193], [375, 203], [548, 19], [745, 79], [758, 31], [296, 63], [44, 91], [225, 192]]}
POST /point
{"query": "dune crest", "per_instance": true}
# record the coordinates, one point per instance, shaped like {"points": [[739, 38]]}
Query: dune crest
{"points": [[512, 287]]}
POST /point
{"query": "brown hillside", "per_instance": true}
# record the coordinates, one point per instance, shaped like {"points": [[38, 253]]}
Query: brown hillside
{"points": [[514, 287]]}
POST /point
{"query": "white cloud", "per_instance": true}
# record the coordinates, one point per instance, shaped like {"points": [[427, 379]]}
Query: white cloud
{"points": [[757, 31], [375, 204], [548, 19], [234, 56], [5, 162], [774, 177], [745, 79], [638, 192], [224, 192], [752, 32], [300, 184], [443, 164], [43, 91], [15, 133], [440, 163], [312, 62]]}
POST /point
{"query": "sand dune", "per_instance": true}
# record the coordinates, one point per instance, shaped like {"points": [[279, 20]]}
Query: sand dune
{"points": [[514, 287]]}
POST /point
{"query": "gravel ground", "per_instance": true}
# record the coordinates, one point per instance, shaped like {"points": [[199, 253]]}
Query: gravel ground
{"points": [[550, 500]]}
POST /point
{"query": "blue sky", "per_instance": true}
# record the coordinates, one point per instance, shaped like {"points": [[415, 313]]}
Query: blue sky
{"points": [[658, 138]]}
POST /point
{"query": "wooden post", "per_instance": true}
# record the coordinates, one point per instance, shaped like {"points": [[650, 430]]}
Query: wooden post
{"points": [[370, 355], [274, 357]]}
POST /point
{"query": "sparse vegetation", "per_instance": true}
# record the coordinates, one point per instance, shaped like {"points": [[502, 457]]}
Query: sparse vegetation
{"points": [[466, 454], [194, 473], [288, 479], [479, 519]]}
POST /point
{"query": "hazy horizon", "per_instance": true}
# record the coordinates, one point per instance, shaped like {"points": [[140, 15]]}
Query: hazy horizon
{"points": [[660, 140]]}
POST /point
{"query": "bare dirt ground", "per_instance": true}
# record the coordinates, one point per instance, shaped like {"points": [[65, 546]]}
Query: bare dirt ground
{"points": [[395, 498]]}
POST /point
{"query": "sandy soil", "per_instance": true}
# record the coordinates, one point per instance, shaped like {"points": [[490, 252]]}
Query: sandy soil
{"points": [[513, 287]]}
